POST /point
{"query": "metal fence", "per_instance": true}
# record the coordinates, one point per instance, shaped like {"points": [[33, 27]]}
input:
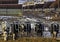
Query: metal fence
{"points": [[10, 11]]}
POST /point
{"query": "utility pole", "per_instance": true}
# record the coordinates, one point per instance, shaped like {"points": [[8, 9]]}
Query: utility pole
{"points": [[58, 3]]}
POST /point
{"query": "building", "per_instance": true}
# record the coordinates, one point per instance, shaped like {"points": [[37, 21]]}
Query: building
{"points": [[46, 4], [9, 4], [14, 7], [10, 7]]}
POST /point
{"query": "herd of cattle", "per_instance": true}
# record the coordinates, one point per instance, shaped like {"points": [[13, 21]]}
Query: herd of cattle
{"points": [[16, 30]]}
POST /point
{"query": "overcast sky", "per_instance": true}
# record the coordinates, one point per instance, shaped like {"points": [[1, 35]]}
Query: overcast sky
{"points": [[21, 1]]}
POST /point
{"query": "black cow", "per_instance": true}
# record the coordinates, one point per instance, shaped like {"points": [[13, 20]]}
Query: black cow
{"points": [[55, 27], [39, 29]]}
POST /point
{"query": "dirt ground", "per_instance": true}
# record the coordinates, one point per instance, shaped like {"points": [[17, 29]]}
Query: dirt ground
{"points": [[33, 39]]}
